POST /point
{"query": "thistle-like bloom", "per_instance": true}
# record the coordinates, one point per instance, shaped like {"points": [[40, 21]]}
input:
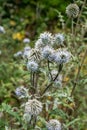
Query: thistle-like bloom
{"points": [[53, 125], [72, 10], [2, 30], [48, 53], [58, 39], [39, 44], [26, 40], [62, 56], [33, 107], [46, 38], [21, 92], [32, 65]]}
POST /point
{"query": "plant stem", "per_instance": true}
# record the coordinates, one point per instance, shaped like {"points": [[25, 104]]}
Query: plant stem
{"points": [[72, 28], [50, 70], [79, 16], [49, 85], [77, 76]]}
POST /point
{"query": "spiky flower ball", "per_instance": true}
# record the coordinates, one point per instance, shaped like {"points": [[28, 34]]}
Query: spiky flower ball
{"points": [[58, 39], [48, 53], [53, 125], [32, 65], [33, 107], [62, 56], [72, 10], [21, 92], [18, 54], [46, 38], [39, 44]]}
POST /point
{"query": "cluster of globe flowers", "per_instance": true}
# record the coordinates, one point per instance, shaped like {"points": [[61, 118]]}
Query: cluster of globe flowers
{"points": [[50, 48]]}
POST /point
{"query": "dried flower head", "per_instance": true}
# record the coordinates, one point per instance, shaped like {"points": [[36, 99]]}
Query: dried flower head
{"points": [[58, 39], [39, 44], [54, 125], [62, 56], [32, 65], [46, 38], [72, 10], [33, 107], [48, 53]]}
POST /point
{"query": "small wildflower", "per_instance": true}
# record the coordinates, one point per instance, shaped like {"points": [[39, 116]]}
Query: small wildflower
{"points": [[58, 39], [33, 107], [62, 56], [53, 125], [21, 92], [2, 30], [46, 38], [26, 52], [72, 10], [32, 65], [26, 40], [18, 54]]}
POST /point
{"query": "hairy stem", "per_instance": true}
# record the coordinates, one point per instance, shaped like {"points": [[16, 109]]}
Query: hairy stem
{"points": [[50, 70], [49, 85], [77, 76]]}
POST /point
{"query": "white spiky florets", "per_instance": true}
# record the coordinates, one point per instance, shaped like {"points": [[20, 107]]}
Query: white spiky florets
{"points": [[53, 125], [72, 10], [46, 38], [62, 56], [32, 65], [39, 44], [33, 107], [26, 52], [48, 53], [58, 39]]}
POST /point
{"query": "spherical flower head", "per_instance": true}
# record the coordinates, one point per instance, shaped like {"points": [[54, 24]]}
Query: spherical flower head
{"points": [[72, 10], [18, 54], [53, 125], [47, 53], [33, 107], [32, 65], [2, 30], [21, 92], [58, 39], [62, 56], [26, 40], [26, 52], [46, 38]]}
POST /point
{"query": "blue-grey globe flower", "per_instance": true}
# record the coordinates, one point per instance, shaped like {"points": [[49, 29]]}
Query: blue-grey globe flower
{"points": [[33, 107], [32, 66], [18, 54], [62, 56], [39, 44], [21, 92], [46, 38], [48, 53], [26, 40], [58, 39], [53, 124]]}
